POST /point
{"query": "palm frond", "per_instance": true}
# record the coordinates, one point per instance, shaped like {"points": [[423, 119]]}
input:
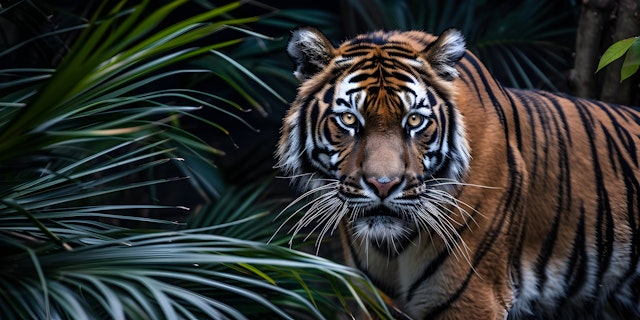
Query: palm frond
{"points": [[178, 275], [84, 150]]}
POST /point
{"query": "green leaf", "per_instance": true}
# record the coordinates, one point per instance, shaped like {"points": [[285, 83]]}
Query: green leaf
{"points": [[615, 51], [631, 61]]}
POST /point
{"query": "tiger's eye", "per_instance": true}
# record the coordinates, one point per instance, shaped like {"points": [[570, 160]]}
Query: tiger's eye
{"points": [[414, 120], [348, 118]]}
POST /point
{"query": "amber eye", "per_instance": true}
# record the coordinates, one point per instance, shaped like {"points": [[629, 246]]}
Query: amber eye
{"points": [[414, 120], [348, 118]]}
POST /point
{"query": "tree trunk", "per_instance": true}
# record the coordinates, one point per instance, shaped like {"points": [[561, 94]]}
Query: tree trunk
{"points": [[627, 26], [593, 17]]}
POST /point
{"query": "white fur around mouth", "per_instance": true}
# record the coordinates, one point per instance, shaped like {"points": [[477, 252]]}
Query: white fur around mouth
{"points": [[385, 232], [380, 224]]}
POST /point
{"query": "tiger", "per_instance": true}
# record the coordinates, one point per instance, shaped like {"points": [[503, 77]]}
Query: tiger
{"points": [[460, 198]]}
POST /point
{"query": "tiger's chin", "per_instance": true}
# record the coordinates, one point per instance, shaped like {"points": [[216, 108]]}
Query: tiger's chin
{"points": [[384, 231]]}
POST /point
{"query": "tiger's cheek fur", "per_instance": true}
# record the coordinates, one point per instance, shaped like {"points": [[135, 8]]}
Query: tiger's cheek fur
{"points": [[301, 134]]}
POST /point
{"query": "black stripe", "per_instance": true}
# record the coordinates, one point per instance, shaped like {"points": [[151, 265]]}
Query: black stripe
{"points": [[435, 312], [489, 91], [328, 96], [612, 150], [577, 267], [621, 112], [628, 143], [432, 99], [553, 98], [361, 77], [402, 77], [546, 148], [301, 122], [547, 250], [367, 41], [516, 121], [468, 80], [604, 219], [401, 54], [427, 272], [525, 101], [317, 119], [515, 257]]}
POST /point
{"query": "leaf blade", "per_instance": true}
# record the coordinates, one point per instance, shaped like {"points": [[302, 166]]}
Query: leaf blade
{"points": [[614, 52], [631, 61]]}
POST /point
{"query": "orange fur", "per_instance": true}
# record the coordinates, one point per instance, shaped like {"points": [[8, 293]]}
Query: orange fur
{"points": [[543, 219]]}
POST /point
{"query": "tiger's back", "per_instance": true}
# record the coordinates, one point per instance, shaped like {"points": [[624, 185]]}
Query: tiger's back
{"points": [[572, 204], [458, 197]]}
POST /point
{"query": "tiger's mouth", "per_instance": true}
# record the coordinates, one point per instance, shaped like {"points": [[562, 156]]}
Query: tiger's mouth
{"points": [[384, 229], [381, 212]]}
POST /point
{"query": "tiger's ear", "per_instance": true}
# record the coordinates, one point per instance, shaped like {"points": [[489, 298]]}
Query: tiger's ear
{"points": [[310, 51], [445, 52]]}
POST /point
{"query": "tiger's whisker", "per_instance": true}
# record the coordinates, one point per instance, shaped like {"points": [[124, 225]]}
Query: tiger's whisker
{"points": [[295, 202], [435, 182]]}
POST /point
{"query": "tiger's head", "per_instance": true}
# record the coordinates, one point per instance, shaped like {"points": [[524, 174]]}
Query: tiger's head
{"points": [[375, 135]]}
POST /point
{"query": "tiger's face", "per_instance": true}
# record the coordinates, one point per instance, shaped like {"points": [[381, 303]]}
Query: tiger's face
{"points": [[374, 134]]}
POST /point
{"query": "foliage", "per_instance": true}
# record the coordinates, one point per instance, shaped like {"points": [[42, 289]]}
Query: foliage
{"points": [[212, 272], [630, 49], [86, 154]]}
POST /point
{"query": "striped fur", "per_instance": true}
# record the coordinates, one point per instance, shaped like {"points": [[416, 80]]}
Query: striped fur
{"points": [[459, 198]]}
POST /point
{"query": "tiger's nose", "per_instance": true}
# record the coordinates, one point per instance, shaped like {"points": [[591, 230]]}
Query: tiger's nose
{"points": [[383, 184]]}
